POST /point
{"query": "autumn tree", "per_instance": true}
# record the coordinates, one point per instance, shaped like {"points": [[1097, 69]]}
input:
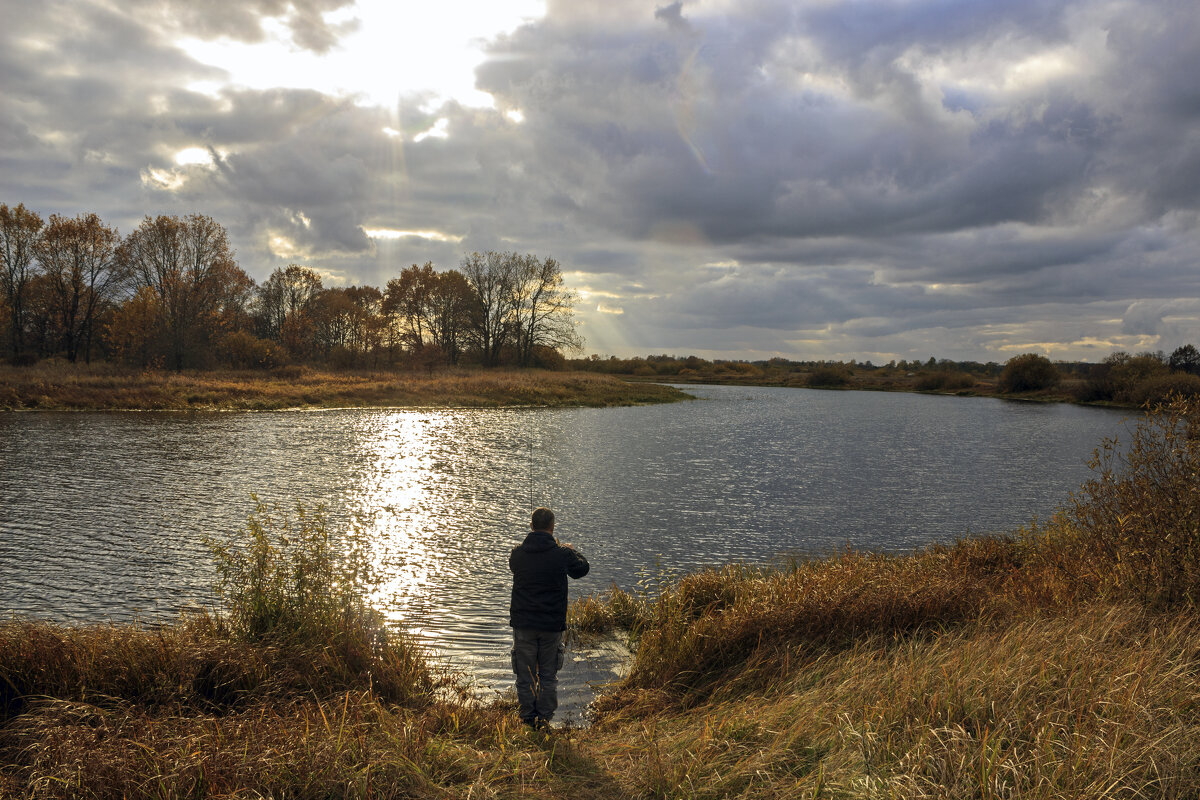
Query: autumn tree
{"points": [[188, 263], [40, 330], [285, 308], [427, 308], [135, 331], [348, 323], [406, 300], [367, 324], [19, 232], [450, 301], [77, 257]]}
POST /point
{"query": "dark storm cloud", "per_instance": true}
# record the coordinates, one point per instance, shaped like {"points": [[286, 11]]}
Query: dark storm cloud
{"points": [[924, 172], [708, 136]]}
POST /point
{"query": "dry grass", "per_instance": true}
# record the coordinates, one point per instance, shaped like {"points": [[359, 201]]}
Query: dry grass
{"points": [[67, 387], [1103, 703], [721, 630], [299, 742]]}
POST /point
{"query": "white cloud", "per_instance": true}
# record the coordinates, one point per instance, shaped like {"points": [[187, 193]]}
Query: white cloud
{"points": [[391, 233], [379, 50]]}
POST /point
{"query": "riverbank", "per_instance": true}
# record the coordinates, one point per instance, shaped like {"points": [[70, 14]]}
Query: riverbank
{"points": [[941, 384], [1120, 387], [80, 387], [1062, 660]]}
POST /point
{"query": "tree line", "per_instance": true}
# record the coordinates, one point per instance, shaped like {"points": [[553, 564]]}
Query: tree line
{"points": [[171, 294], [1121, 377]]}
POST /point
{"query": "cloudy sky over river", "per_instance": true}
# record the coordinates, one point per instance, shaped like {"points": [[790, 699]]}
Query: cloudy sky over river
{"points": [[868, 179]]}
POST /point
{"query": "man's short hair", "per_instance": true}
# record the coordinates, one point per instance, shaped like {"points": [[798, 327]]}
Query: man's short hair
{"points": [[543, 520]]}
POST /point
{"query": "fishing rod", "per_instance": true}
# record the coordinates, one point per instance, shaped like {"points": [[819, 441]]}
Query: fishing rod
{"points": [[531, 434]]}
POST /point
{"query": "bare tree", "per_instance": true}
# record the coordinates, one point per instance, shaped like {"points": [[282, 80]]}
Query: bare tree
{"points": [[492, 276], [19, 232], [284, 307], [77, 256], [185, 261], [543, 309]]}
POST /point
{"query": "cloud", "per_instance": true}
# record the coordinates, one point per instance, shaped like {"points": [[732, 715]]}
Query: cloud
{"points": [[247, 20], [874, 175]]}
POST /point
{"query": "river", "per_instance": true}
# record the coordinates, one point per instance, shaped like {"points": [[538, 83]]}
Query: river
{"points": [[102, 514]]}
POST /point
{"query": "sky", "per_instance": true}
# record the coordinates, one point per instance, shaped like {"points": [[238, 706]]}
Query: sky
{"points": [[810, 179]]}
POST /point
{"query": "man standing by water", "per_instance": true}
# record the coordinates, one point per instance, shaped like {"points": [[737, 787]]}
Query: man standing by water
{"points": [[538, 615]]}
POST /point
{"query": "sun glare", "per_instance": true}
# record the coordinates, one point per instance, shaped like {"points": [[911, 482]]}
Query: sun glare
{"points": [[394, 50], [392, 233], [194, 155]]}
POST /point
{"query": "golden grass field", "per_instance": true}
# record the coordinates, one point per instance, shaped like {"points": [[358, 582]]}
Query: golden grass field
{"points": [[66, 387]]}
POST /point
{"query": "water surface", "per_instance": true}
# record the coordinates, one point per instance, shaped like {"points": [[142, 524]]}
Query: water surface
{"points": [[102, 514]]}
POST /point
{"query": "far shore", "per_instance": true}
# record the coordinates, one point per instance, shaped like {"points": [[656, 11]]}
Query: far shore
{"points": [[66, 387], [1063, 393]]}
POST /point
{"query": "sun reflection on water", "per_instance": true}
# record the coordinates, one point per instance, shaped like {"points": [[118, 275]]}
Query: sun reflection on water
{"points": [[441, 498], [397, 505]]}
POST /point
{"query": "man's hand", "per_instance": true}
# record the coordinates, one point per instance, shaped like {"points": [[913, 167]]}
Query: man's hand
{"points": [[567, 545]]}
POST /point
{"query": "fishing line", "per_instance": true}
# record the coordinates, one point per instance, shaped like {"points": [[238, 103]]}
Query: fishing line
{"points": [[531, 423]]}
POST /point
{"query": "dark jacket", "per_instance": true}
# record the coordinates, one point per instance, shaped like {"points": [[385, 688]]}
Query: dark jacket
{"points": [[539, 592]]}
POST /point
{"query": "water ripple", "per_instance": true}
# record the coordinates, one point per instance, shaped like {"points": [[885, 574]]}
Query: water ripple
{"points": [[102, 514]]}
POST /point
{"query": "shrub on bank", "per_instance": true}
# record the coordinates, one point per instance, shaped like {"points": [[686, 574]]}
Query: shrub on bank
{"points": [[944, 381], [1160, 388], [296, 621], [829, 377], [1028, 373], [283, 583], [1132, 531]]}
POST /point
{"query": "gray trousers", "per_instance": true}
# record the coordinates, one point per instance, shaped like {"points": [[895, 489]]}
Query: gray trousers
{"points": [[537, 657]]}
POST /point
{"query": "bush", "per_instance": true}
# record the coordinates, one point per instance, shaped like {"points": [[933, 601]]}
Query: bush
{"points": [[1124, 379], [1162, 388], [280, 578], [944, 381], [1133, 531], [242, 350], [831, 376], [1029, 372], [548, 358], [284, 584]]}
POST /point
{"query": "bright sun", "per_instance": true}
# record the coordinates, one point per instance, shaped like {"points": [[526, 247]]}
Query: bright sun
{"points": [[397, 49]]}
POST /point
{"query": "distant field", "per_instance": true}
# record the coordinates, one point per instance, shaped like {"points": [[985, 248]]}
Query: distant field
{"points": [[66, 387]]}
